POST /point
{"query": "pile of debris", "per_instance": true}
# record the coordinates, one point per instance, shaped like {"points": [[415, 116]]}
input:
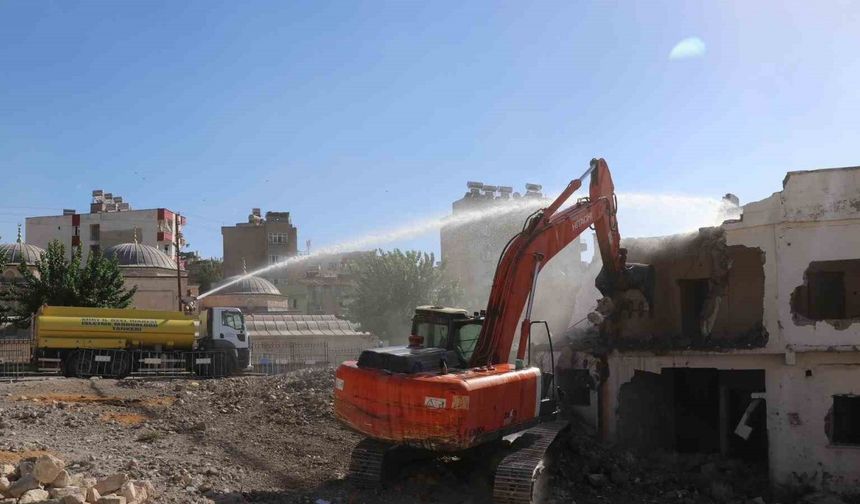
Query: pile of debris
{"points": [[45, 479], [302, 397], [589, 471]]}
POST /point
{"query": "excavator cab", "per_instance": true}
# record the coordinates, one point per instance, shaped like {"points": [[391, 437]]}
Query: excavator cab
{"points": [[451, 329], [442, 339]]}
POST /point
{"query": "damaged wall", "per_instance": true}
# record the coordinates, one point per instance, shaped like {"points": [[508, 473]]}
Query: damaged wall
{"points": [[798, 401], [810, 360], [815, 219], [709, 294], [830, 292]]}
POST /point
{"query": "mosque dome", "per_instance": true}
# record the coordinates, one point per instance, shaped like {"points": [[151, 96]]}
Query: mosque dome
{"points": [[139, 255], [250, 285], [16, 253]]}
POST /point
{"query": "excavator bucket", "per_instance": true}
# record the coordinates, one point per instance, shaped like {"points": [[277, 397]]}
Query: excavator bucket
{"points": [[639, 277]]}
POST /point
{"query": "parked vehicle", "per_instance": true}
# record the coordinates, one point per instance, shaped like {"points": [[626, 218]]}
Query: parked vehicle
{"points": [[117, 342]]}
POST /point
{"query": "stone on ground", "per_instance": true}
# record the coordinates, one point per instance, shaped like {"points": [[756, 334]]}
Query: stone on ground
{"points": [[33, 496], [47, 468], [62, 480], [93, 495], [22, 485], [111, 484], [112, 499]]}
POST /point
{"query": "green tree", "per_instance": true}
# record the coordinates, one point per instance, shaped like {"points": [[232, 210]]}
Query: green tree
{"points": [[58, 281], [203, 272], [389, 285]]}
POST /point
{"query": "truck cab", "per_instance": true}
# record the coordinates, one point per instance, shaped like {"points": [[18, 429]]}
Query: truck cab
{"points": [[223, 328]]}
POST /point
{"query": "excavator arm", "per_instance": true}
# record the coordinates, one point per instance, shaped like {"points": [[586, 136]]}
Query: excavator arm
{"points": [[545, 234]]}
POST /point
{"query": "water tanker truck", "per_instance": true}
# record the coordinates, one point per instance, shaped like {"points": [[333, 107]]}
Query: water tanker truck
{"points": [[117, 342]]}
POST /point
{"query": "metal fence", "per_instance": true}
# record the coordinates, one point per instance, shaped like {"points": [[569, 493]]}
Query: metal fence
{"points": [[270, 357], [15, 356], [267, 357], [122, 363]]}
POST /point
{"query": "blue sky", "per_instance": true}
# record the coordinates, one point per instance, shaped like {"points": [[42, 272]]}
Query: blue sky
{"points": [[357, 116]]}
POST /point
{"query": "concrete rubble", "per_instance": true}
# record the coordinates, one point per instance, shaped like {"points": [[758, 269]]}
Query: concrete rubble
{"points": [[45, 480]]}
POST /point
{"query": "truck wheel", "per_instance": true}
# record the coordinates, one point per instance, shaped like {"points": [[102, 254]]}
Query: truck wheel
{"points": [[219, 365], [230, 367]]}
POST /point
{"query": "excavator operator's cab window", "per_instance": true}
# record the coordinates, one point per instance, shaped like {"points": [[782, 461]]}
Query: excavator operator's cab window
{"points": [[465, 340], [435, 335]]}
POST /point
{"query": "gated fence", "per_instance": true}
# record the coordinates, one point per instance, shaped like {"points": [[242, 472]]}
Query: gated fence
{"points": [[274, 357], [15, 356], [268, 356]]}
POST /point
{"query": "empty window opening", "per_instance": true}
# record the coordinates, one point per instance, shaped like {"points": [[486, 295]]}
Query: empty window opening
{"points": [[826, 295], [830, 291], [845, 423], [694, 293], [95, 232], [696, 410]]}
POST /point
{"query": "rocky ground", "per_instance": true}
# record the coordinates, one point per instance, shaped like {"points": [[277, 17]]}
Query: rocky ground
{"points": [[273, 439]]}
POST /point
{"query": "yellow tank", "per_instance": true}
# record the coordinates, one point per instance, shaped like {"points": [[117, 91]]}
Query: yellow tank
{"points": [[109, 328]]}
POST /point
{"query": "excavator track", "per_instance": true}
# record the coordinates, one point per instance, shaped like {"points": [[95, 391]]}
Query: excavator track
{"points": [[518, 473], [365, 466]]}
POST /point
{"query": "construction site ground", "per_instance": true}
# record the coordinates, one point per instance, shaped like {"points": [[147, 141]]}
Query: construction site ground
{"points": [[273, 439]]}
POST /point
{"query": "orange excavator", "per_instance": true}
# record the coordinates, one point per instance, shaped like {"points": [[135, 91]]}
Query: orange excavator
{"points": [[453, 388]]}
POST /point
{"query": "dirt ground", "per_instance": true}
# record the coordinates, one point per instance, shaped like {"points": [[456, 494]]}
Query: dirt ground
{"points": [[273, 439]]}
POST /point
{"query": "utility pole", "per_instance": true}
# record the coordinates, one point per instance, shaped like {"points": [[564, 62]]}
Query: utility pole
{"points": [[176, 219]]}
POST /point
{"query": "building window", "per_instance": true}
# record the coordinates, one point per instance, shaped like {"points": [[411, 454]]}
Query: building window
{"points": [[279, 238], [826, 295], [275, 259], [845, 424], [831, 291], [95, 232]]}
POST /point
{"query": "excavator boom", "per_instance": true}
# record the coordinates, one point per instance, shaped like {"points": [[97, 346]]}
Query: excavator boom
{"points": [[545, 234]]}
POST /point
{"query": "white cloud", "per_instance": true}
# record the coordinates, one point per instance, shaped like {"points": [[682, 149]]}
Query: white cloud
{"points": [[691, 47]]}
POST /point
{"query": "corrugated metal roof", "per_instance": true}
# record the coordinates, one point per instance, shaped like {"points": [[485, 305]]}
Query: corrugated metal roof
{"points": [[300, 326]]}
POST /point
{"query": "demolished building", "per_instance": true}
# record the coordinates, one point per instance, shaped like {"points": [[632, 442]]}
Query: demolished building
{"points": [[752, 346]]}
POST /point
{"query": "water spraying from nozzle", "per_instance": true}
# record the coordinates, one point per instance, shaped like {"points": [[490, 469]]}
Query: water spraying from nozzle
{"points": [[411, 230], [682, 213]]}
